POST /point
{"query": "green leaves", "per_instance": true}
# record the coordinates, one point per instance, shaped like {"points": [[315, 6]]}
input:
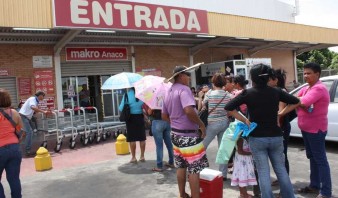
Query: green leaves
{"points": [[326, 58]]}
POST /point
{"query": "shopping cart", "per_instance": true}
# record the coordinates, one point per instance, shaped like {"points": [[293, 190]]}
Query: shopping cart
{"points": [[102, 130], [82, 124], [66, 129], [59, 126], [47, 124]]}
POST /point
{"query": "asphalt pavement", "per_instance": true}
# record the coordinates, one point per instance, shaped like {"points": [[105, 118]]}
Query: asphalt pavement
{"points": [[96, 171]]}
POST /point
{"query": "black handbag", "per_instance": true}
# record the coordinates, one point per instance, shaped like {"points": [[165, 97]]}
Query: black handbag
{"points": [[203, 114], [125, 114]]}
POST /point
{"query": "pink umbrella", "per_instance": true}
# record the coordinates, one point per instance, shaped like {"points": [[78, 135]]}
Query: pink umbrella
{"points": [[151, 90]]}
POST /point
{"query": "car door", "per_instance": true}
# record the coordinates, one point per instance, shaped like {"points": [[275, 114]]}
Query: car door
{"points": [[331, 85], [333, 114]]}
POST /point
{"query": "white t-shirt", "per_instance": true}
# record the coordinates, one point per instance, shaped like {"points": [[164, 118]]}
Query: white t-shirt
{"points": [[26, 109]]}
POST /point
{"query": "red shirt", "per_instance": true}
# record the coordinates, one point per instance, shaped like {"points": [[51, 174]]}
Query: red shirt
{"points": [[7, 135]]}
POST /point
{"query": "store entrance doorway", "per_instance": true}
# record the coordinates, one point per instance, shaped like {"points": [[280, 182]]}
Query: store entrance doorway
{"points": [[74, 94]]}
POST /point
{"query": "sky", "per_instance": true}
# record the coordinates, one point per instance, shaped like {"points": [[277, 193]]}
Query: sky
{"points": [[322, 13]]}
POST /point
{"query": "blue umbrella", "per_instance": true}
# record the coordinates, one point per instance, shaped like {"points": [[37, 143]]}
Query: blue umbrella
{"points": [[121, 81]]}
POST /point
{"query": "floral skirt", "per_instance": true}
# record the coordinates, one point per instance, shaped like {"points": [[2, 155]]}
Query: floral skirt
{"points": [[244, 172]]}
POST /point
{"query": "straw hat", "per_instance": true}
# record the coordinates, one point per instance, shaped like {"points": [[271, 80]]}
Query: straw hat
{"points": [[183, 69]]}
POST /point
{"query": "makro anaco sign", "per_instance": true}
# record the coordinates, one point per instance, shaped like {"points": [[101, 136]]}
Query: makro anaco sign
{"points": [[96, 54], [112, 14]]}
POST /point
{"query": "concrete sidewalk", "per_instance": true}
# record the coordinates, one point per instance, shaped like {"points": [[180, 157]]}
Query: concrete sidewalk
{"points": [[112, 176]]}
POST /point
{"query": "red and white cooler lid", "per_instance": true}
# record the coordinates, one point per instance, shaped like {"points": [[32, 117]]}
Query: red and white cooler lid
{"points": [[209, 174]]}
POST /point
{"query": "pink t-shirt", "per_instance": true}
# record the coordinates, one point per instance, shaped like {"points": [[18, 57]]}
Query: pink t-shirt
{"points": [[314, 121], [243, 107]]}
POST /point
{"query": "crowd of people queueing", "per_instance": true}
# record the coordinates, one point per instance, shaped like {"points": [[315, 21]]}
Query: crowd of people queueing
{"points": [[266, 103], [186, 137]]}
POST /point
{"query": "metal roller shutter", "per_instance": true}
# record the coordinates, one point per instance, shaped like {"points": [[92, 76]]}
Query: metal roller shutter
{"points": [[94, 68], [9, 83]]}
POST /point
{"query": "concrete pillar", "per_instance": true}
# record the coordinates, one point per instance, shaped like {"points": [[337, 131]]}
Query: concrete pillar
{"points": [[193, 74], [58, 81], [133, 64]]}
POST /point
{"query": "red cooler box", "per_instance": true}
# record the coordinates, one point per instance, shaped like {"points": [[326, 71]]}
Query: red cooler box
{"points": [[211, 183]]}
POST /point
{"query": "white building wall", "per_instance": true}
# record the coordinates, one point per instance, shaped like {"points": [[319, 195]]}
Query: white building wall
{"points": [[264, 9]]}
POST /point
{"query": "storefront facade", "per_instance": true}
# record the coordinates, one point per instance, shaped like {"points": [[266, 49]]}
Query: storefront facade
{"points": [[62, 59]]}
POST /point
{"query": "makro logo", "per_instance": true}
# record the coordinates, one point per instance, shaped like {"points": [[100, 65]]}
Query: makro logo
{"points": [[96, 53], [85, 54]]}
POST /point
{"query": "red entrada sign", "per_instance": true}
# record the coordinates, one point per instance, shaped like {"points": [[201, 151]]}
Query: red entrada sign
{"points": [[95, 53], [112, 14]]}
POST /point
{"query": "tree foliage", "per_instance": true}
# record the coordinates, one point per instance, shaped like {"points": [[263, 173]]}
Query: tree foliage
{"points": [[326, 58]]}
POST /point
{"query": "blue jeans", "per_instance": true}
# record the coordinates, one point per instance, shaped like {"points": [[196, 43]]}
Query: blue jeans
{"points": [[263, 149], [161, 132], [320, 176], [10, 160], [217, 129], [29, 133]]}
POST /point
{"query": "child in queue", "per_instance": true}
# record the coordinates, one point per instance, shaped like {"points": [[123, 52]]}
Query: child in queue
{"points": [[243, 174]]}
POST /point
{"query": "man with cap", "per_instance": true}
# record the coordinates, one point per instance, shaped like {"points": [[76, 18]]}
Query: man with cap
{"points": [[26, 112], [187, 132]]}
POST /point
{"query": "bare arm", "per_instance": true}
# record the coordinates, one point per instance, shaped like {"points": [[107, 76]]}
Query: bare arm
{"points": [[239, 117], [288, 108], [17, 118], [200, 100], [165, 117], [38, 110], [193, 117], [149, 111], [281, 106]]}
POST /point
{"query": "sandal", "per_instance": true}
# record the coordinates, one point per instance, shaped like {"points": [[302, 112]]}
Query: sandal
{"points": [[169, 165], [186, 195], [275, 183], [157, 169], [142, 160], [308, 189], [133, 161], [230, 170]]}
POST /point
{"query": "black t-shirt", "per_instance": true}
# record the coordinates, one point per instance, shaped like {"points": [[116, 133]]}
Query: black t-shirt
{"points": [[262, 103]]}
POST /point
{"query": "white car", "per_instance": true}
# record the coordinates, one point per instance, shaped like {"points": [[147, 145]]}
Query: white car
{"points": [[331, 83]]}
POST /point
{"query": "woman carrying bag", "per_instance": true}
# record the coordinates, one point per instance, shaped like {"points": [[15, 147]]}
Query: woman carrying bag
{"points": [[217, 119], [135, 124], [10, 153]]}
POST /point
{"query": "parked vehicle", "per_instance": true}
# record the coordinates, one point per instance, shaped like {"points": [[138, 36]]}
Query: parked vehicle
{"points": [[331, 83]]}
